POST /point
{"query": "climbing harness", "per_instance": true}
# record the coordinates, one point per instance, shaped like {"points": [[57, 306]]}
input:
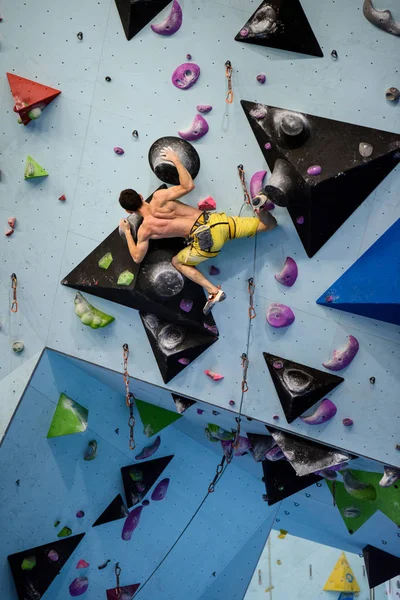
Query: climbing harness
{"points": [[117, 572], [14, 302], [251, 288], [130, 399], [242, 175], [228, 73]]}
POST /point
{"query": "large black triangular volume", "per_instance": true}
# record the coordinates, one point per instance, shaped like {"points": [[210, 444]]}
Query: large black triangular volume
{"points": [[46, 562], [307, 457], [136, 14], [354, 160], [260, 444], [173, 345], [140, 477], [156, 287], [298, 387], [281, 480], [182, 403], [380, 566], [280, 24], [115, 510]]}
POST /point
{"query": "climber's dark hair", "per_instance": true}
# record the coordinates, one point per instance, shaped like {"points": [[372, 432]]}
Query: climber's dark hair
{"points": [[130, 200]]}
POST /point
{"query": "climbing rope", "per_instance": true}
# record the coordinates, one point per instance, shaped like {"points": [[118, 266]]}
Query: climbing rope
{"points": [[130, 399], [242, 176], [14, 302], [228, 73], [117, 572]]}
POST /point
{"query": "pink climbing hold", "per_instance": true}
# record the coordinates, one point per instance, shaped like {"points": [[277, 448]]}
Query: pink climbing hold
{"points": [[119, 151], [347, 422], [9, 232], [213, 376], [183, 361], [11, 221], [261, 78], [276, 417], [314, 170], [268, 146], [231, 403], [207, 204], [300, 220], [186, 305], [82, 564]]}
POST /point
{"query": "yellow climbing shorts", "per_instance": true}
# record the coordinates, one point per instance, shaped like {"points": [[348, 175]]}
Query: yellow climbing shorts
{"points": [[222, 229]]}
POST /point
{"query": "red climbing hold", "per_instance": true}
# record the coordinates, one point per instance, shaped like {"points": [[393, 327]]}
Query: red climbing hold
{"points": [[207, 204], [9, 232], [29, 95], [63, 198], [11, 221]]}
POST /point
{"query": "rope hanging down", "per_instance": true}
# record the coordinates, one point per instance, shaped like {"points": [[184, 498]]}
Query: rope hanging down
{"points": [[130, 399], [229, 73]]}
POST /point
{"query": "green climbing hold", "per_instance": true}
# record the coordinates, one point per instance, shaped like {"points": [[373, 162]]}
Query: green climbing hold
{"points": [[89, 315], [28, 563], [135, 474], [69, 417], [56, 523], [33, 169], [125, 278], [65, 532], [105, 261], [155, 418]]}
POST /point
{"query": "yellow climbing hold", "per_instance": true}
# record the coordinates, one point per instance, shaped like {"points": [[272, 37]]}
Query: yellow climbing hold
{"points": [[278, 562], [342, 578], [282, 534]]}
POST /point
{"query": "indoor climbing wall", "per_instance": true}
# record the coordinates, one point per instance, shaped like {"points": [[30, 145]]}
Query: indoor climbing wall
{"points": [[62, 170]]}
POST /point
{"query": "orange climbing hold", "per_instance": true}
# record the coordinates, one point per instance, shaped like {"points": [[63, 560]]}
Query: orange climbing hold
{"points": [[29, 95]]}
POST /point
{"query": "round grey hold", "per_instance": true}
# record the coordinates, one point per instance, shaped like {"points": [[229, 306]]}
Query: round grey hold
{"points": [[165, 280], [292, 124], [166, 170], [392, 94], [365, 149], [18, 347]]}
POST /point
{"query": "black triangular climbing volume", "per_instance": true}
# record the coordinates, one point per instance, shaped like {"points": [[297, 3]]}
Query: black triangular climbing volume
{"points": [[307, 457], [136, 14], [182, 403], [173, 345], [281, 480], [280, 24], [260, 444], [155, 286], [114, 511], [380, 566], [322, 169], [298, 387], [140, 477], [35, 569]]}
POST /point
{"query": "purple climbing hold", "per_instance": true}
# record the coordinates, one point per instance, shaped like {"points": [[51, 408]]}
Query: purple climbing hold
{"points": [[79, 586], [261, 78], [200, 411], [188, 57], [231, 403], [119, 151], [80, 514], [347, 422], [149, 450], [244, 32], [53, 555], [277, 364], [300, 220], [280, 315], [183, 361], [131, 522], [241, 446], [276, 417], [212, 328], [160, 490], [314, 170], [185, 75], [343, 357], [145, 502], [186, 305], [268, 146], [289, 273], [196, 130], [214, 270], [172, 23], [204, 108], [325, 411], [256, 183]]}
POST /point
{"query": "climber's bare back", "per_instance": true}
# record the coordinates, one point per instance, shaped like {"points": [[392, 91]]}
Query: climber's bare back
{"points": [[167, 219]]}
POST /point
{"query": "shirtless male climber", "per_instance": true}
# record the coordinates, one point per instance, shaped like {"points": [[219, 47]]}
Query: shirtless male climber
{"points": [[166, 217]]}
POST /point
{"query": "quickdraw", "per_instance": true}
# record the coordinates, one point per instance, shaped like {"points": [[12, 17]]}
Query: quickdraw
{"points": [[242, 175], [14, 302], [130, 399], [117, 572], [217, 476], [228, 73], [251, 288], [245, 366]]}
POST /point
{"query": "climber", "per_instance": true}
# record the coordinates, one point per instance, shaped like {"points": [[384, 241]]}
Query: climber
{"points": [[206, 233]]}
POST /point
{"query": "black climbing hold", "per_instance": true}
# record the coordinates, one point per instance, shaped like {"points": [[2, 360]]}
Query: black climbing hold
{"points": [[140, 477], [79, 35], [334, 54], [380, 566], [298, 387], [108, 78], [34, 583], [117, 431], [114, 511], [282, 481], [136, 14], [104, 564], [165, 170], [307, 457], [18, 482], [372, 380], [215, 413], [260, 444], [346, 180], [135, 133], [280, 24]]}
